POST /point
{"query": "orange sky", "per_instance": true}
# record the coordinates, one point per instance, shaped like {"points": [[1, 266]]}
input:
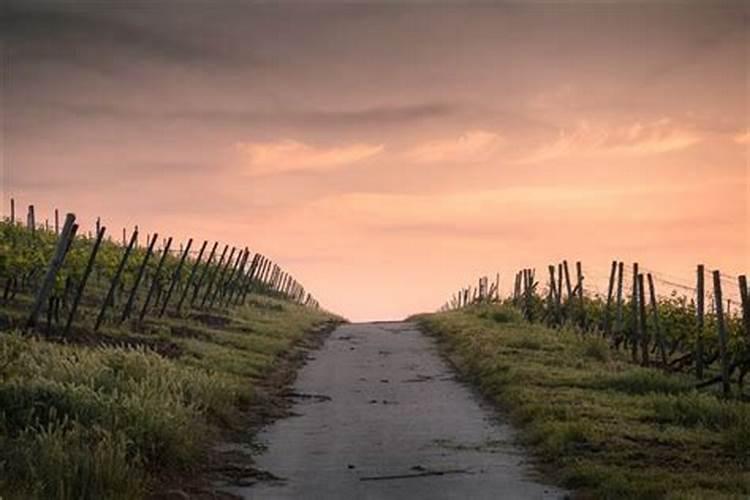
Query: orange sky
{"points": [[386, 154]]}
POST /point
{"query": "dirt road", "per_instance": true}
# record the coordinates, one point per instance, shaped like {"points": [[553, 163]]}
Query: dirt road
{"points": [[380, 415]]}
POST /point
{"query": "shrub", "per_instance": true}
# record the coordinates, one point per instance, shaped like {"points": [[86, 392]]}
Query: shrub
{"points": [[596, 348]]}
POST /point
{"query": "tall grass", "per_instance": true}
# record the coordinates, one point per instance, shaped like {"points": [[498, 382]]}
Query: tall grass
{"points": [[85, 422], [606, 426]]}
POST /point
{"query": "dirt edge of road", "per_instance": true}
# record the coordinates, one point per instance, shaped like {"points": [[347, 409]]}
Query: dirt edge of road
{"points": [[225, 463], [541, 469]]}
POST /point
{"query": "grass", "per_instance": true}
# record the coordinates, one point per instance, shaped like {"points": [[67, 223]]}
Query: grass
{"points": [[601, 425], [86, 421]]}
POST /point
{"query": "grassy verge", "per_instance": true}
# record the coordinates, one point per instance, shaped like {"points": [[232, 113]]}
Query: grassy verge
{"points": [[91, 418], [605, 427]]}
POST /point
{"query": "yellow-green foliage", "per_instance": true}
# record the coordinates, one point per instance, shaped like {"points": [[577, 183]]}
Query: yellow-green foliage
{"points": [[607, 427], [76, 421], [96, 422]]}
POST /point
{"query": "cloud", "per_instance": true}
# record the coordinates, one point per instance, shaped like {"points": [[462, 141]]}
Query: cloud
{"points": [[742, 137], [80, 34], [377, 116], [638, 139], [471, 146], [287, 155]]}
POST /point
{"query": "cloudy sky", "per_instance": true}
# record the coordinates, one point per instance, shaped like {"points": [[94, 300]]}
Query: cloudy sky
{"points": [[388, 152]]}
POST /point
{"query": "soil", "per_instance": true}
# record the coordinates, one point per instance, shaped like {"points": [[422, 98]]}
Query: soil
{"points": [[227, 460]]}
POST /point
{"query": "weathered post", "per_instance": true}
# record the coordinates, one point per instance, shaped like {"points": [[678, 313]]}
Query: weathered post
{"points": [[700, 312], [634, 326], [745, 306], [551, 299], [560, 292], [213, 275], [176, 276], [84, 279], [220, 281], [204, 274], [251, 275], [642, 326], [115, 281], [234, 278], [63, 243], [142, 269], [723, 351], [608, 305], [568, 285], [31, 219], [582, 305], [155, 280], [657, 323], [57, 221], [242, 281], [12, 211], [191, 276]]}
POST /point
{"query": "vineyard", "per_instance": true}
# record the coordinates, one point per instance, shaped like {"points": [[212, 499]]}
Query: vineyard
{"points": [[89, 281], [624, 393], [674, 332], [120, 360]]}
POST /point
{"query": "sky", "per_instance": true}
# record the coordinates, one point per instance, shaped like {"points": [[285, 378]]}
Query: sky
{"points": [[387, 153]]}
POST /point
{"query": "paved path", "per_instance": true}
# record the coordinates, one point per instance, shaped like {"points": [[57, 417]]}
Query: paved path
{"points": [[381, 416]]}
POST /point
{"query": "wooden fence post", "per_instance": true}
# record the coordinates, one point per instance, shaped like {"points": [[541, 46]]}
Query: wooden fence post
{"points": [[57, 221], [568, 284], [63, 243], [115, 280], [745, 306], [12, 211], [155, 280], [142, 269], [657, 323], [236, 275], [223, 288], [84, 279], [608, 305], [263, 276], [176, 276], [213, 275], [582, 304], [642, 327], [222, 273], [700, 313], [244, 281], [551, 299], [204, 274], [635, 327], [251, 277], [191, 276], [31, 219], [723, 351]]}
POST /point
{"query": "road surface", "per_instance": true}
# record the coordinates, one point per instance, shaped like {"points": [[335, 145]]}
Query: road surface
{"points": [[379, 414]]}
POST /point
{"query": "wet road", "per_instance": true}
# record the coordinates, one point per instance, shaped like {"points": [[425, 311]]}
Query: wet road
{"points": [[380, 415]]}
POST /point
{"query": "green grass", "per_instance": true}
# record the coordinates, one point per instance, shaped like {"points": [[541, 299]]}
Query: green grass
{"points": [[601, 425], [87, 421]]}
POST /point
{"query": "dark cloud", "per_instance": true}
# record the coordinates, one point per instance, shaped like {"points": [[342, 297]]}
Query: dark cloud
{"points": [[99, 35], [377, 116]]}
